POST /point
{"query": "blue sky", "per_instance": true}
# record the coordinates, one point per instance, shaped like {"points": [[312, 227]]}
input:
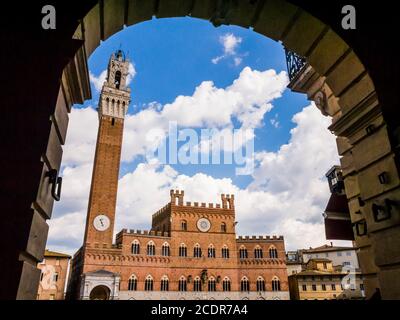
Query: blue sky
{"points": [[173, 56], [185, 69]]}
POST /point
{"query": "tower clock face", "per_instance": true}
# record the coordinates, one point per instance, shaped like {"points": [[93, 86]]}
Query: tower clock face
{"points": [[203, 224], [101, 222]]}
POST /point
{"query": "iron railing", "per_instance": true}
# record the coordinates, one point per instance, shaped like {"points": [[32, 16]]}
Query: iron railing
{"points": [[295, 63]]}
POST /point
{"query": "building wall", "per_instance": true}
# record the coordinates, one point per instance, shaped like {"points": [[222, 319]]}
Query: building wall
{"points": [[49, 287], [330, 293], [119, 258], [337, 257]]}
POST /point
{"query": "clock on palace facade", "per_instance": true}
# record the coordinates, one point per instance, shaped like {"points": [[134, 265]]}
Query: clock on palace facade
{"points": [[203, 224]]}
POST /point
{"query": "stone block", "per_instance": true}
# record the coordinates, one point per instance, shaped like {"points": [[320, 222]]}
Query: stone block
{"points": [[327, 52], [344, 73]]}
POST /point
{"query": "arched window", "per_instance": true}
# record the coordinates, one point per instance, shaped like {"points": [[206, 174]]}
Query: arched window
{"points": [[273, 253], [212, 284], [223, 227], [226, 284], [211, 251], [225, 252], [135, 247], [117, 79], [197, 284], [165, 251], [244, 284], [164, 283], [243, 252], [276, 284], [182, 250], [151, 249], [184, 225], [132, 283], [258, 253], [197, 251], [148, 283], [182, 285], [260, 284]]}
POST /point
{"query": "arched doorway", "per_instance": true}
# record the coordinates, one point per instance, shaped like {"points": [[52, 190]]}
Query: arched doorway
{"points": [[302, 33], [100, 293]]}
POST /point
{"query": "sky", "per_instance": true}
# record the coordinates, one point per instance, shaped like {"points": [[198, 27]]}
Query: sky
{"points": [[228, 79]]}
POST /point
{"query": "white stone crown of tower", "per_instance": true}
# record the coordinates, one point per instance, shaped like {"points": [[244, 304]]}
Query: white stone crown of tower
{"points": [[115, 95]]}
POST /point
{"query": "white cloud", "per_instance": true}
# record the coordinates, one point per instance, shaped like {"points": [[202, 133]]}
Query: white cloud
{"points": [[131, 73], [274, 121], [230, 44], [98, 81], [247, 100], [287, 196]]}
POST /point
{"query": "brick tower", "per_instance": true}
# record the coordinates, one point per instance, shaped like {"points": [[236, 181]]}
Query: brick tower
{"points": [[113, 105]]}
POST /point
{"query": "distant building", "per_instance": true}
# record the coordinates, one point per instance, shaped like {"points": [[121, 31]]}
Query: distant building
{"points": [[54, 270], [294, 262], [321, 281], [340, 256]]}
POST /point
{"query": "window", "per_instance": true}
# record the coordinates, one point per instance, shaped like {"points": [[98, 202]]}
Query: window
{"points": [[197, 284], [148, 283], [314, 287], [346, 263], [164, 283], [117, 78], [151, 249], [243, 253], [135, 247], [323, 287], [260, 284], [113, 121], [212, 284], [211, 251], [304, 287], [182, 250], [325, 265], [258, 253], [225, 252], [183, 225], [182, 285], [348, 253], [226, 284], [165, 251], [339, 254], [41, 276], [276, 284], [273, 253], [55, 277], [132, 283], [333, 287], [326, 255], [244, 284], [197, 251], [362, 286], [223, 227]]}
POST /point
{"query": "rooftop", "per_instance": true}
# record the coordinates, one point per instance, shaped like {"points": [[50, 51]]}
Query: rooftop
{"points": [[326, 248], [48, 253]]}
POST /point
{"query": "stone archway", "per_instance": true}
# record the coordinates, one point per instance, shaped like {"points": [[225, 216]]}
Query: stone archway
{"points": [[338, 81], [100, 293]]}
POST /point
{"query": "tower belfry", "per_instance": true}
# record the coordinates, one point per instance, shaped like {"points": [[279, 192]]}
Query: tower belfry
{"points": [[113, 105]]}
